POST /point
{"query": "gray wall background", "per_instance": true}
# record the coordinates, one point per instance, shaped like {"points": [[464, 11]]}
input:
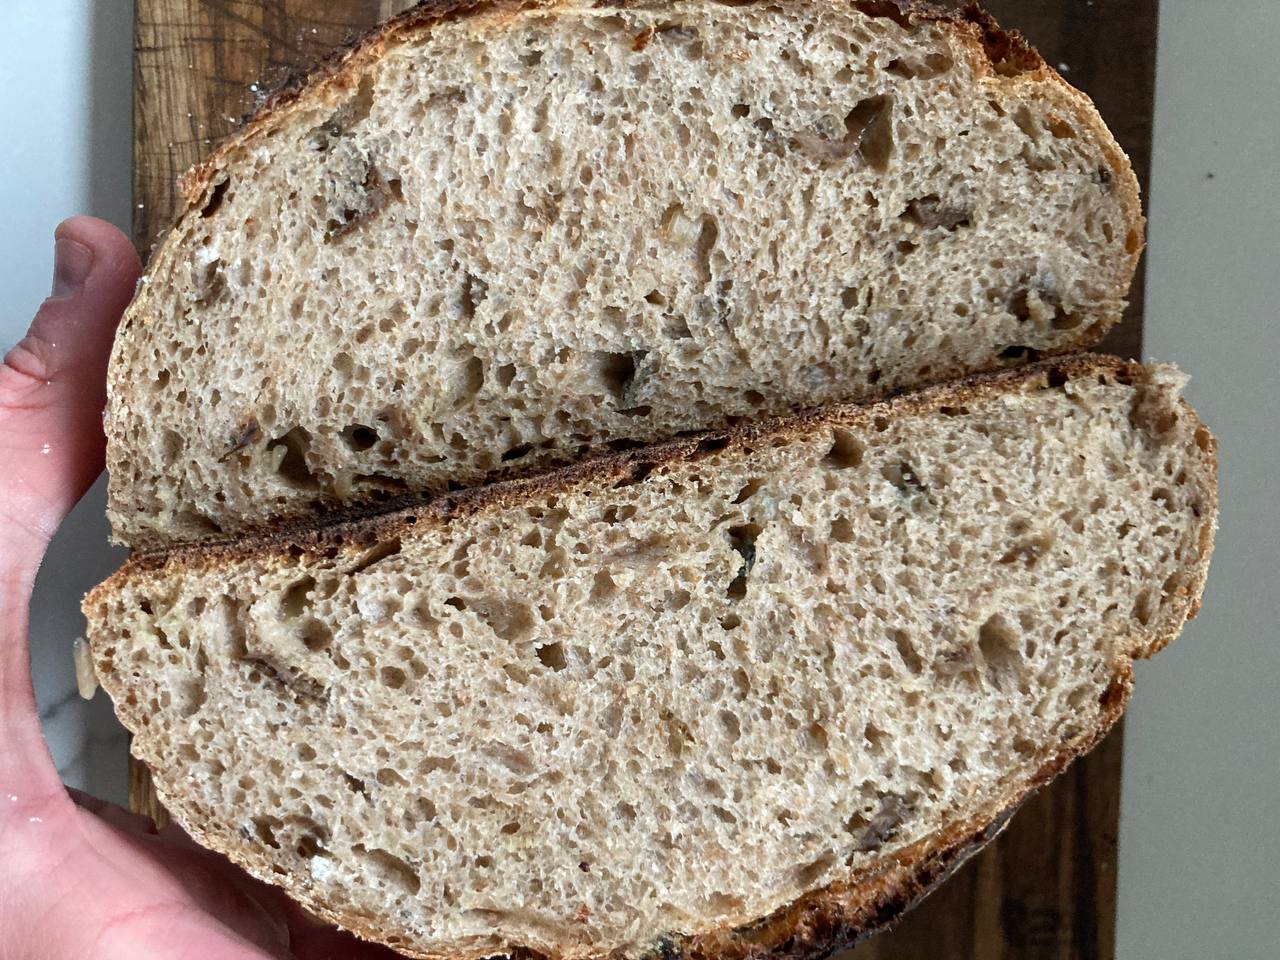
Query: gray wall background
{"points": [[1199, 838], [1200, 845]]}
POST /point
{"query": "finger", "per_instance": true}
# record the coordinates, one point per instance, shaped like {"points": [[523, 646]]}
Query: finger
{"points": [[53, 383], [330, 943], [112, 814], [309, 939], [52, 389]]}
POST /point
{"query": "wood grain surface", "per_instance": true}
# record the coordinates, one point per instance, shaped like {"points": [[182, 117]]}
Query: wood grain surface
{"points": [[1046, 889]]}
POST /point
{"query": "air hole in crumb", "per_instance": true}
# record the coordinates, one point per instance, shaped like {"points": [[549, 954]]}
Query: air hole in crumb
{"points": [[296, 599], [602, 587], [515, 453], [638, 473], [615, 514], [391, 869], [842, 530], [846, 451], [1016, 352], [617, 371], [289, 454], [474, 292], [871, 122], [998, 643], [509, 619], [316, 637], [383, 551], [732, 726], [712, 444], [743, 540], [265, 830], [216, 197], [552, 656], [359, 437], [932, 212], [393, 677], [749, 489], [816, 734], [390, 778], [907, 651], [1144, 608], [1060, 128]]}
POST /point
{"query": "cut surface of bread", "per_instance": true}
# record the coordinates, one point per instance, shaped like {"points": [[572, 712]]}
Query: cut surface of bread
{"points": [[494, 238], [734, 694]]}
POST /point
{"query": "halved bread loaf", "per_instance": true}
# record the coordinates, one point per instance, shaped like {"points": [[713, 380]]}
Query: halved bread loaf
{"points": [[731, 695], [498, 236]]}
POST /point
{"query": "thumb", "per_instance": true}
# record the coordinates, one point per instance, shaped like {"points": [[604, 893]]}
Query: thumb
{"points": [[53, 383], [52, 391]]}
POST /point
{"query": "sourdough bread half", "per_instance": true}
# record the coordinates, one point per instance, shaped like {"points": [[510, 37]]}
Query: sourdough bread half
{"points": [[494, 237], [732, 695]]}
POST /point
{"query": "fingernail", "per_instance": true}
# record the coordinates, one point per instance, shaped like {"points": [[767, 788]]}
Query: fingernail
{"points": [[72, 261]]}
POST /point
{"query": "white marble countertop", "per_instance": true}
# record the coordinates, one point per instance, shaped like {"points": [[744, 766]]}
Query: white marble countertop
{"points": [[1199, 854]]}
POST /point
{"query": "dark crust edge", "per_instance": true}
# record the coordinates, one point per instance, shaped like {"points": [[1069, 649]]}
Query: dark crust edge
{"points": [[823, 921], [366, 525], [844, 914]]}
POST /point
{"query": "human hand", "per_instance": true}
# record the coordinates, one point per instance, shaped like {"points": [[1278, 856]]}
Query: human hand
{"points": [[80, 878]]}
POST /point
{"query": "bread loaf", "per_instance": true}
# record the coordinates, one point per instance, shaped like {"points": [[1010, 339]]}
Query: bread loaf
{"points": [[496, 237], [740, 694]]}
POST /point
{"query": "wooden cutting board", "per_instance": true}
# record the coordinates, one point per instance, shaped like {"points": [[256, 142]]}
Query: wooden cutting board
{"points": [[1046, 889]]}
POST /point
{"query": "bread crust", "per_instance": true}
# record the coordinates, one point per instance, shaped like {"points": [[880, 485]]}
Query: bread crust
{"points": [[824, 920], [994, 52]]}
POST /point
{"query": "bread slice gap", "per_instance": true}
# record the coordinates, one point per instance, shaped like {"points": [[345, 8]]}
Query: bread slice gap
{"points": [[488, 243], [733, 694]]}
